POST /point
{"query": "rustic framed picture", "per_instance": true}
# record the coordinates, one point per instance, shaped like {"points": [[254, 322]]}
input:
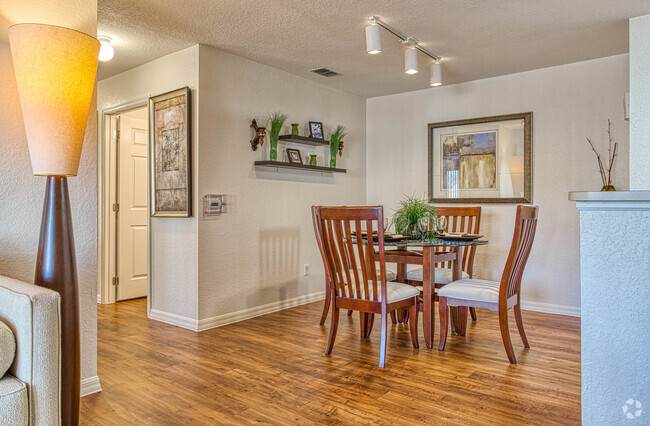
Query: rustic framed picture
{"points": [[316, 130], [294, 156], [170, 145], [482, 160]]}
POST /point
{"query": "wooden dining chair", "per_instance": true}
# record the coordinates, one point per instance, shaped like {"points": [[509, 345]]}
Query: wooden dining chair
{"points": [[390, 275], [495, 296], [355, 283], [459, 219]]}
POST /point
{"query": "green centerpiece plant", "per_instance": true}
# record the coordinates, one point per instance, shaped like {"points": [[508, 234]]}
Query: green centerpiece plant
{"points": [[405, 219], [336, 144], [277, 121]]}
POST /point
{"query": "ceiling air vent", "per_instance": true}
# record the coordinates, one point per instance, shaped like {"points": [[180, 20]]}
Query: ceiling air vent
{"points": [[325, 72]]}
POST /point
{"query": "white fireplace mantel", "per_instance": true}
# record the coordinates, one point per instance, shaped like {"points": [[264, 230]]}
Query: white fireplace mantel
{"points": [[615, 305]]}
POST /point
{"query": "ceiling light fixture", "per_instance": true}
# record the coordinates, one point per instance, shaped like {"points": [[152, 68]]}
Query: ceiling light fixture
{"points": [[373, 38], [410, 56], [106, 51], [436, 74]]}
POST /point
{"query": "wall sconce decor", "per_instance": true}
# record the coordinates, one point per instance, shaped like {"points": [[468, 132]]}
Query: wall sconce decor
{"points": [[259, 125]]}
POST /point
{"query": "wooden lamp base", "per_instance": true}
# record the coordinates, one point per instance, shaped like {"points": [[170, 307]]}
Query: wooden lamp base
{"points": [[56, 269]]}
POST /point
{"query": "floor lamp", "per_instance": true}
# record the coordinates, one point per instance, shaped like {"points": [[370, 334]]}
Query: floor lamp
{"points": [[55, 73]]}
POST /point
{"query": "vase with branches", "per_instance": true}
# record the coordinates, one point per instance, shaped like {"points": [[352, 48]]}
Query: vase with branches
{"points": [[606, 171], [336, 143], [277, 120]]}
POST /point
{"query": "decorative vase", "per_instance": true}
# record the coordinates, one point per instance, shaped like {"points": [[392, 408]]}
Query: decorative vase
{"points": [[274, 149], [608, 188], [312, 160], [294, 129], [412, 232]]}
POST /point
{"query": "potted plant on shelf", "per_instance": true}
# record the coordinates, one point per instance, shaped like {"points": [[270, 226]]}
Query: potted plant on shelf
{"points": [[606, 173], [405, 219], [336, 144], [277, 121]]}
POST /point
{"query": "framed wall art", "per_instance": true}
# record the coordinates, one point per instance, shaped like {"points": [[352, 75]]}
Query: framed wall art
{"points": [[170, 123], [316, 130], [482, 160], [294, 156]]}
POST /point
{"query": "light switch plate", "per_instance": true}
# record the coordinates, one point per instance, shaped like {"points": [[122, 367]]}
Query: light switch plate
{"points": [[213, 204]]}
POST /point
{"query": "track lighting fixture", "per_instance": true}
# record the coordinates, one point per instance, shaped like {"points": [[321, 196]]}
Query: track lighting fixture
{"points": [[373, 46], [373, 38], [436, 74]]}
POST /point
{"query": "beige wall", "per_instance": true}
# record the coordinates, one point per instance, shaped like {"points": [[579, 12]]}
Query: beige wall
{"points": [[174, 268], [253, 255], [639, 102], [21, 193], [569, 103]]}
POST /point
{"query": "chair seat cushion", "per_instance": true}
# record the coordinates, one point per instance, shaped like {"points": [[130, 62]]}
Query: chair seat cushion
{"points": [[443, 275], [476, 290], [394, 291], [390, 275], [13, 401], [7, 348]]}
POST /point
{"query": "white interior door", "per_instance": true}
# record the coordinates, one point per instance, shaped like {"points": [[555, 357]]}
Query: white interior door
{"points": [[132, 152]]}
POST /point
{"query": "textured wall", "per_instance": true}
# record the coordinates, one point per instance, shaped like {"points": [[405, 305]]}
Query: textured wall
{"points": [[174, 269], [21, 193], [254, 254], [615, 264], [569, 103], [639, 102]]}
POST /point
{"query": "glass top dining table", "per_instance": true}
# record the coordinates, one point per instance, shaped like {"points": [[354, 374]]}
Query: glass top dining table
{"points": [[430, 252]]}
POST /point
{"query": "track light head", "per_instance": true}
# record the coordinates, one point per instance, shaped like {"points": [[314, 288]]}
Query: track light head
{"points": [[373, 39], [411, 61], [436, 74]]}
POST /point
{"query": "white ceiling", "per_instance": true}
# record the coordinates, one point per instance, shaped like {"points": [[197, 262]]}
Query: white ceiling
{"points": [[476, 38]]}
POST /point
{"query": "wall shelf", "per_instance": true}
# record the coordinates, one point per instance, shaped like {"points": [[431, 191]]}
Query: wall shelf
{"points": [[284, 165], [305, 140]]}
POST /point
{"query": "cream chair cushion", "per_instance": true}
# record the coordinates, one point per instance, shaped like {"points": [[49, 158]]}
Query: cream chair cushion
{"points": [[443, 275], [13, 400], [476, 290], [7, 348], [390, 275], [394, 291]]}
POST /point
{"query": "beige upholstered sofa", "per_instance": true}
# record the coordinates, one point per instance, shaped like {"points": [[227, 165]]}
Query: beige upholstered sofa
{"points": [[30, 389]]}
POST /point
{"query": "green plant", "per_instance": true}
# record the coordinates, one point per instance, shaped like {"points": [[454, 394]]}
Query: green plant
{"points": [[277, 121], [336, 140], [411, 209]]}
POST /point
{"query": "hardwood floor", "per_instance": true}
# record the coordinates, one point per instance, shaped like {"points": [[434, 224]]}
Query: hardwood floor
{"points": [[272, 369]]}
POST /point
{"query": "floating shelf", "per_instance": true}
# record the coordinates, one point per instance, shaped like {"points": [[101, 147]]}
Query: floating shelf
{"points": [[284, 165], [305, 140]]}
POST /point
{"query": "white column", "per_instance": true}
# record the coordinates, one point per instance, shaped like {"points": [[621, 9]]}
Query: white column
{"points": [[640, 103], [615, 306]]}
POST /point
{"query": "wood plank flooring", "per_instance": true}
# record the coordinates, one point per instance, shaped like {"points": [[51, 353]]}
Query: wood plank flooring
{"points": [[272, 369]]}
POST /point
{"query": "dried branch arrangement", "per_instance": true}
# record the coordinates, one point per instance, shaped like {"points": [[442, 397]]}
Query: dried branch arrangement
{"points": [[606, 173]]}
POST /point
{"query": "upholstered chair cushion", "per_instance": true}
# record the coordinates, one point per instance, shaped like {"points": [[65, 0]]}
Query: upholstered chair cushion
{"points": [[13, 402], [7, 348], [390, 275], [394, 291], [443, 275], [476, 290]]}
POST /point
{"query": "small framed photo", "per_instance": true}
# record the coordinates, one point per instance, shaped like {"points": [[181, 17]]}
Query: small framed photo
{"points": [[294, 156], [316, 130]]}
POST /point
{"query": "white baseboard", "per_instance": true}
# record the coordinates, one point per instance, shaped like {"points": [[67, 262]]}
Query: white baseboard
{"points": [[174, 319], [90, 385], [257, 311], [550, 308], [219, 320]]}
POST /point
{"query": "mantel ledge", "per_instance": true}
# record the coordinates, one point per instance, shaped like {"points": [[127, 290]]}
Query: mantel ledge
{"points": [[611, 200]]}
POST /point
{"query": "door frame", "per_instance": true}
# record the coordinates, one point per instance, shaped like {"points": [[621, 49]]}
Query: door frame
{"points": [[106, 223]]}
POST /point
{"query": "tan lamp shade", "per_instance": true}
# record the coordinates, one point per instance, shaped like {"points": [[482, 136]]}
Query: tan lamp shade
{"points": [[55, 71]]}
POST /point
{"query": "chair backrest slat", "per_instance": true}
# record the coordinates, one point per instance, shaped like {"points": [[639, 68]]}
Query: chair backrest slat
{"points": [[466, 220], [345, 258], [522, 242]]}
